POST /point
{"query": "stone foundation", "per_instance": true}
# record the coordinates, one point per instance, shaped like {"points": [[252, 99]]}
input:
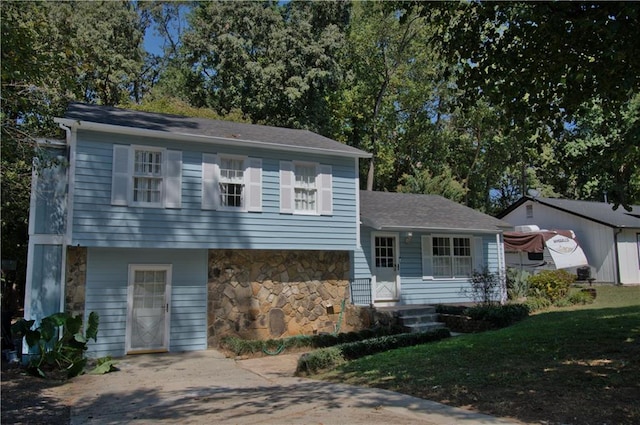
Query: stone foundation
{"points": [[259, 294], [76, 275]]}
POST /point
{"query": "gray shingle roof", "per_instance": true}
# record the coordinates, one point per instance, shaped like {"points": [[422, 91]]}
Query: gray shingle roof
{"points": [[397, 211], [270, 137], [596, 211]]}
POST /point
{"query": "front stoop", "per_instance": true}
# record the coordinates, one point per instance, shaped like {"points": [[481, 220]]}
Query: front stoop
{"points": [[417, 318]]}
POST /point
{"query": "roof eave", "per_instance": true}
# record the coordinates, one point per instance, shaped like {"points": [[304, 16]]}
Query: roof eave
{"points": [[383, 228], [143, 132]]}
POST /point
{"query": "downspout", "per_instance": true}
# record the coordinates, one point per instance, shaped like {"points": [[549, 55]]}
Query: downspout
{"points": [[67, 230], [617, 259]]}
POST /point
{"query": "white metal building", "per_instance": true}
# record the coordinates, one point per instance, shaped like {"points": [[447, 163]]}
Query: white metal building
{"points": [[610, 238]]}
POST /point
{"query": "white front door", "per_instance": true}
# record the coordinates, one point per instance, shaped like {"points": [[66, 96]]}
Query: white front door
{"points": [[385, 267], [148, 308]]}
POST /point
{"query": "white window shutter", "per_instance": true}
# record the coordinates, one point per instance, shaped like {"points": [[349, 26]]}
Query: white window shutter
{"points": [[254, 185], [478, 255], [286, 187], [210, 182], [325, 190], [173, 180], [427, 253], [121, 175]]}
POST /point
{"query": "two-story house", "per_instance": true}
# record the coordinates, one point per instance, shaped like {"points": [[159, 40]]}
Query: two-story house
{"points": [[178, 231]]}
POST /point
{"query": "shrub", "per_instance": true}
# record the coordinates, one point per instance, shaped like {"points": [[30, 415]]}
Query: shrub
{"points": [[240, 346], [498, 315], [581, 297], [450, 309], [517, 283], [485, 286], [551, 284], [329, 357], [537, 303], [323, 358]]}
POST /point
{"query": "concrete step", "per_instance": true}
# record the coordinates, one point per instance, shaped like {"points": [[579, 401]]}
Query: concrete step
{"points": [[418, 318], [424, 327]]}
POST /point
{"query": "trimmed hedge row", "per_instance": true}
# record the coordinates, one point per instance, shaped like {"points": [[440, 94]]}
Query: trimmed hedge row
{"points": [[240, 346], [329, 357]]}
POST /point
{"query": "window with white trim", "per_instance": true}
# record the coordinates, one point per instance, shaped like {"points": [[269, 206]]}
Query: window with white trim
{"points": [[449, 256], [306, 188], [146, 176], [231, 182]]}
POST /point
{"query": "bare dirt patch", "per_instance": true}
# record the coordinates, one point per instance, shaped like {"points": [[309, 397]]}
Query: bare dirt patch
{"points": [[27, 399]]}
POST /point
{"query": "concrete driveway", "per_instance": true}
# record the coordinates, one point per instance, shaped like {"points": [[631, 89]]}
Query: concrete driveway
{"points": [[205, 388]]}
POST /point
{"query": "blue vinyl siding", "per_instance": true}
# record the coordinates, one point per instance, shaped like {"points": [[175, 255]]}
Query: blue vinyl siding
{"points": [[106, 294], [413, 288], [97, 223]]}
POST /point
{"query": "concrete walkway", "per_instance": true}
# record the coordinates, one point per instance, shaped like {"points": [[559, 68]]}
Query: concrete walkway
{"points": [[205, 387]]}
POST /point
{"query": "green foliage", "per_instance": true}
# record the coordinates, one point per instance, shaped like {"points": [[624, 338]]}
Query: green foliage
{"points": [[317, 360], [485, 286], [517, 283], [581, 298], [333, 356], [551, 284], [240, 346], [277, 63], [499, 315], [515, 55], [55, 351], [104, 365], [423, 181], [536, 303]]}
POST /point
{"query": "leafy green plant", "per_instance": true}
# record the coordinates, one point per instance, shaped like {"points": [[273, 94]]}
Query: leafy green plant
{"points": [[582, 297], [537, 303], [498, 315], [104, 365], [552, 284], [58, 341], [485, 286], [517, 283]]}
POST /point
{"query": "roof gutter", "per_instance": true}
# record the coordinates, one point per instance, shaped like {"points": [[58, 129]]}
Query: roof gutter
{"points": [[186, 137], [428, 229]]}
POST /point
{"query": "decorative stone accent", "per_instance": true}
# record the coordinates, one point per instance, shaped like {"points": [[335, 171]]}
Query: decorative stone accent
{"points": [[260, 294], [76, 275]]}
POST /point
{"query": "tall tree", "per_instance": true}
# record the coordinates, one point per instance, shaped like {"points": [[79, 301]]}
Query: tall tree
{"points": [[542, 62], [277, 63]]}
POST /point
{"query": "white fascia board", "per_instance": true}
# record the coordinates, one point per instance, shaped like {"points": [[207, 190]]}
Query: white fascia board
{"points": [[186, 137]]}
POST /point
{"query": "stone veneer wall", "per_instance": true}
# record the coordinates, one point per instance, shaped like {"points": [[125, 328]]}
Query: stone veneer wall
{"points": [[260, 294], [76, 275]]}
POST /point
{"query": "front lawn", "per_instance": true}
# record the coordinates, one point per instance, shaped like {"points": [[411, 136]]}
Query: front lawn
{"points": [[578, 365]]}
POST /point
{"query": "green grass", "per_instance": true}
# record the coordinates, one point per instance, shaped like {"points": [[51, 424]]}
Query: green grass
{"points": [[576, 365]]}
